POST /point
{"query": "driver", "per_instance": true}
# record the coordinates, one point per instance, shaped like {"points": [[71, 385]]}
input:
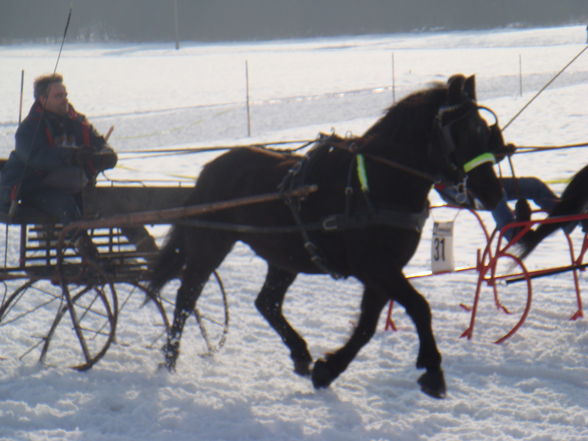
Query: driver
{"points": [[57, 153]]}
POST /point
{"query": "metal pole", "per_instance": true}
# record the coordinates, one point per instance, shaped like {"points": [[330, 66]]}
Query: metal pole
{"points": [[21, 93], [520, 74], [169, 215], [247, 98], [176, 27], [393, 80]]}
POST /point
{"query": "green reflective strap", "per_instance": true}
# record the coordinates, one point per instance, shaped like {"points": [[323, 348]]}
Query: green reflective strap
{"points": [[361, 173], [478, 160]]}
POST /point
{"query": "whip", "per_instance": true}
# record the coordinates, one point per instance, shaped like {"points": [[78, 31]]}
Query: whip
{"points": [[16, 192]]}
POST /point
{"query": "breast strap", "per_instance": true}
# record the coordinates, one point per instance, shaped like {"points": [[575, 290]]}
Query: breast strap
{"points": [[379, 217]]}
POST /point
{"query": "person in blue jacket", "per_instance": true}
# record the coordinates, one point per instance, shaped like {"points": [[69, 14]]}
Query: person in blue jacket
{"points": [[57, 153], [524, 187], [514, 188]]}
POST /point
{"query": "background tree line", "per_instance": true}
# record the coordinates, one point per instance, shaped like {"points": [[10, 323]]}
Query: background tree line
{"points": [[226, 20]]}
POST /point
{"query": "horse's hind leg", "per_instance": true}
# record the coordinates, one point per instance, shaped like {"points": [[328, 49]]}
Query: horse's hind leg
{"points": [[269, 303], [203, 256]]}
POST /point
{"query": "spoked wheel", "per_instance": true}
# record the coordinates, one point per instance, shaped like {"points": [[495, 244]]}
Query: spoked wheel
{"points": [[11, 311], [143, 324], [27, 307], [512, 294], [83, 327], [210, 318]]}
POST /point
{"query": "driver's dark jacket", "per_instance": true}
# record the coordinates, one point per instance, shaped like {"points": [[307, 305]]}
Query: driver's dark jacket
{"points": [[46, 142]]}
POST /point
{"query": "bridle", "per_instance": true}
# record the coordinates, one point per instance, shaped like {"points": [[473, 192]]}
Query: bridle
{"points": [[399, 218], [443, 148]]}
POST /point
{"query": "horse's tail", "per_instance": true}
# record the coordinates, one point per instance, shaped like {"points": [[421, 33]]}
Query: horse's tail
{"points": [[169, 262], [573, 201]]}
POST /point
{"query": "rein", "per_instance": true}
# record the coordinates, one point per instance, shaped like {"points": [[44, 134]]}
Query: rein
{"points": [[366, 216], [362, 174], [370, 216], [339, 222], [533, 149], [450, 146], [331, 223]]}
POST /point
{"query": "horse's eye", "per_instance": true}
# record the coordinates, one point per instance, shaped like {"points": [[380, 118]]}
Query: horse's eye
{"points": [[481, 128]]}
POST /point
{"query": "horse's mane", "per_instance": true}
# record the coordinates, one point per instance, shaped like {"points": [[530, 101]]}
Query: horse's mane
{"points": [[409, 120]]}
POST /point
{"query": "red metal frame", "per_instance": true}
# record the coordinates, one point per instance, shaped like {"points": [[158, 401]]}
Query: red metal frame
{"points": [[486, 267], [389, 322], [498, 247]]}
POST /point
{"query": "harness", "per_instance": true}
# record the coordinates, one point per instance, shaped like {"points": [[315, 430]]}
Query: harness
{"points": [[370, 216]]}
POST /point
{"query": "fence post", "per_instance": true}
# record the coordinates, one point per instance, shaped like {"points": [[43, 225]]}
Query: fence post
{"points": [[520, 74], [247, 98], [393, 80], [176, 25]]}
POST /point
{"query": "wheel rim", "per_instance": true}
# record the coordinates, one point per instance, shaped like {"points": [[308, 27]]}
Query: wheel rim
{"points": [[83, 328]]}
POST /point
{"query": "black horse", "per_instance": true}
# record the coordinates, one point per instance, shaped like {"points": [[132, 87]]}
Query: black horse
{"points": [[364, 220], [574, 200]]}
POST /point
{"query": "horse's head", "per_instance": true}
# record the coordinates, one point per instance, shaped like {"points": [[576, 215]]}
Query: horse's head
{"points": [[464, 145]]}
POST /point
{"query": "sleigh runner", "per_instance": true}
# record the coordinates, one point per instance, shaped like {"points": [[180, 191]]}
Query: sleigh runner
{"points": [[499, 270]]}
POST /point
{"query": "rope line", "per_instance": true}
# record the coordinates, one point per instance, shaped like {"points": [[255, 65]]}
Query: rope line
{"points": [[546, 148], [544, 87], [189, 150]]}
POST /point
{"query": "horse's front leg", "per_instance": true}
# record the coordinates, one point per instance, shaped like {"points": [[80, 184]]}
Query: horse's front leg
{"points": [[269, 303], [326, 370], [432, 382]]}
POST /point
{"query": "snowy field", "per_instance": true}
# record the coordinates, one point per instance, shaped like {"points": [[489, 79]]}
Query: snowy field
{"points": [[533, 387]]}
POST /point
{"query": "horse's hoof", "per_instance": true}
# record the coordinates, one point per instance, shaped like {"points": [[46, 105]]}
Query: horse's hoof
{"points": [[170, 355], [302, 368], [321, 375], [433, 384], [167, 367]]}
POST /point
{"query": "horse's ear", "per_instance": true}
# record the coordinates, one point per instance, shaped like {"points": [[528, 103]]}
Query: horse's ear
{"points": [[455, 89], [469, 87]]}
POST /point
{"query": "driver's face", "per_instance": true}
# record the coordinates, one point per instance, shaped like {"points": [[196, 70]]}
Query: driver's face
{"points": [[56, 99]]}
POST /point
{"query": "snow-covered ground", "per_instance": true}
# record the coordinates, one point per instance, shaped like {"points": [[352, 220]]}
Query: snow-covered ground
{"points": [[533, 387]]}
